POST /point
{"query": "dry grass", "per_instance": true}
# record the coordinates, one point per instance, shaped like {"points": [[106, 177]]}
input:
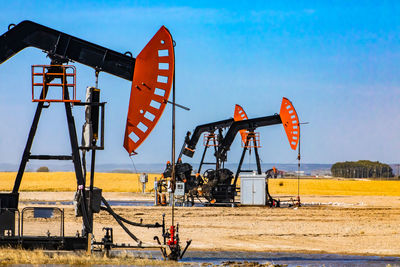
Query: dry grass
{"points": [[39, 257], [18, 256], [123, 182]]}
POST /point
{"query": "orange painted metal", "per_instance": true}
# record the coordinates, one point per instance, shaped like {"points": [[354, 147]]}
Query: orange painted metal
{"points": [[290, 122], [67, 78], [210, 139], [240, 115], [151, 86], [254, 140]]}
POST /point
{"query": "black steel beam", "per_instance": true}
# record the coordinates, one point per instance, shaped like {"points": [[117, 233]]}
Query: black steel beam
{"points": [[64, 48], [203, 156], [76, 158], [258, 161], [28, 146], [241, 125], [51, 157], [44, 242], [239, 169], [208, 127]]}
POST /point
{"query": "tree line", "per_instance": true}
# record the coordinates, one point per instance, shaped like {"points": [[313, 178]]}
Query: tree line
{"points": [[361, 169]]}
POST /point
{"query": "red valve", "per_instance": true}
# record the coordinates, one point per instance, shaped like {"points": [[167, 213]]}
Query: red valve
{"points": [[172, 241]]}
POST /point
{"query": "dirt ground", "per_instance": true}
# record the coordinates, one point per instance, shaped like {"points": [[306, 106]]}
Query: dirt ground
{"points": [[329, 224]]}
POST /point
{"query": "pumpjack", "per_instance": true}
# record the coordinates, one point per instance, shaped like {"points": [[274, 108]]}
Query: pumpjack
{"points": [[273, 173], [151, 73], [219, 185]]}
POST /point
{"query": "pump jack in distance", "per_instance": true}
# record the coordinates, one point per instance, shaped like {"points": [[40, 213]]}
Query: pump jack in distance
{"points": [[218, 186], [151, 74]]}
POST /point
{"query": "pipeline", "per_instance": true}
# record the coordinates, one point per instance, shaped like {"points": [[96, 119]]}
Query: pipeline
{"points": [[156, 225], [109, 210]]}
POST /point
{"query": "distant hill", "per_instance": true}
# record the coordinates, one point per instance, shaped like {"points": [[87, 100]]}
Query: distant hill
{"points": [[159, 167]]}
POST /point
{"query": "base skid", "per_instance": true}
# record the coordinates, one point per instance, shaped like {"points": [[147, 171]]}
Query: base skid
{"points": [[222, 204], [44, 242]]}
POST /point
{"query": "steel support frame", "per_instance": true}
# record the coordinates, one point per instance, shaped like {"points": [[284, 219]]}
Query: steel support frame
{"points": [[250, 138], [75, 154], [258, 162], [204, 155]]}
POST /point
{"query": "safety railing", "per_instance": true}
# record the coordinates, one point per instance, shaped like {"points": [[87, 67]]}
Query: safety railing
{"points": [[253, 140], [210, 139], [46, 76], [43, 213]]}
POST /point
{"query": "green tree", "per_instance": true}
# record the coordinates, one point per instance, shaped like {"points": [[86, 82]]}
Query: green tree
{"points": [[361, 169], [43, 169]]}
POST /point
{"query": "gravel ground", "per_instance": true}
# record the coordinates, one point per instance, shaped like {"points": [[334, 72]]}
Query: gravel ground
{"points": [[325, 224]]}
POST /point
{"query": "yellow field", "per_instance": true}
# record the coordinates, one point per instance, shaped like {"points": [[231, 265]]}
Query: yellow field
{"points": [[122, 182], [66, 181], [334, 187]]}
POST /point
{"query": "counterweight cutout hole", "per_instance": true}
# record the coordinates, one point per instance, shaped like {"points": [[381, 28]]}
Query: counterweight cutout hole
{"points": [[162, 79], [134, 137], [142, 127], [155, 104], [160, 92], [163, 53], [149, 116], [163, 66]]}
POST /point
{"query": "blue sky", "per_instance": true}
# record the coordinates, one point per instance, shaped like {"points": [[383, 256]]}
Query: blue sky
{"points": [[337, 61]]}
